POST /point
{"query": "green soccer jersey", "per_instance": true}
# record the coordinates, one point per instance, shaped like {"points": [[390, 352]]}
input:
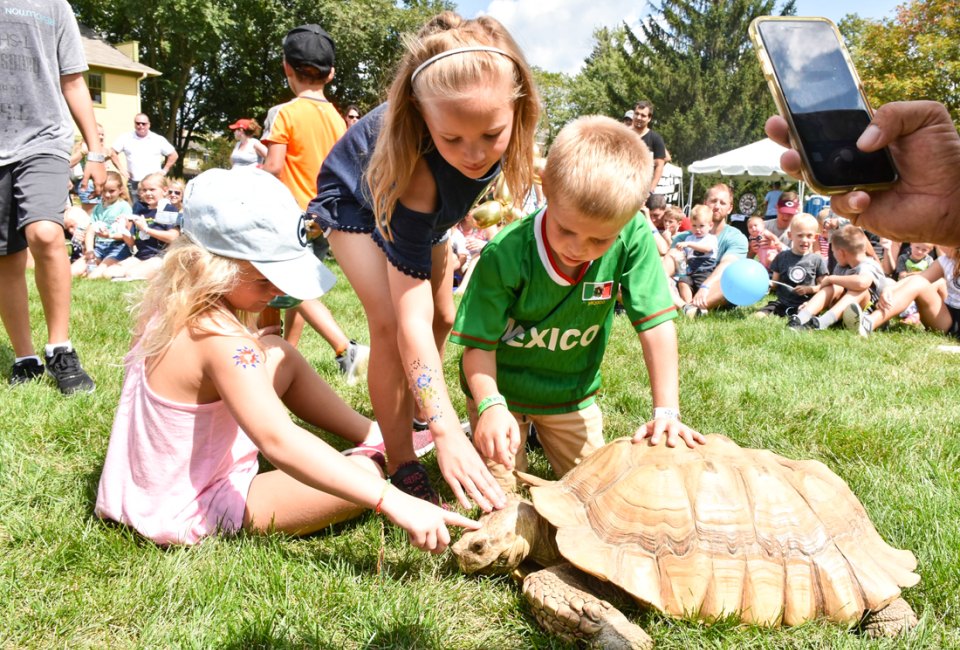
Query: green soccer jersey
{"points": [[549, 330]]}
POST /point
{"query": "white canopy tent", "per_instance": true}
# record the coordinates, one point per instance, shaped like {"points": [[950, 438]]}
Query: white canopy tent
{"points": [[758, 160]]}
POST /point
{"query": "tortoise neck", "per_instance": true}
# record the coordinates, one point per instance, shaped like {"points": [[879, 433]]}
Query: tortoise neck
{"points": [[540, 536]]}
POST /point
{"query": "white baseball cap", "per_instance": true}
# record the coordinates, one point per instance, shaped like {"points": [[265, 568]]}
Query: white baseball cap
{"points": [[247, 214]]}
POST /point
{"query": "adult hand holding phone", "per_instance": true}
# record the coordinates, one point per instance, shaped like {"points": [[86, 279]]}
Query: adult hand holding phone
{"points": [[817, 91], [924, 203]]}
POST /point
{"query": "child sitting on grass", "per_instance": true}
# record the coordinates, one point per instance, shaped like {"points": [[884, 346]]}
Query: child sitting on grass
{"points": [[916, 260], [699, 252], [156, 223], [670, 223], [203, 395], [801, 267], [936, 311], [537, 315], [857, 278], [104, 245]]}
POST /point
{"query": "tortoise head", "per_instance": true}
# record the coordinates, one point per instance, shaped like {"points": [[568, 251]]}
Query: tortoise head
{"points": [[502, 542]]}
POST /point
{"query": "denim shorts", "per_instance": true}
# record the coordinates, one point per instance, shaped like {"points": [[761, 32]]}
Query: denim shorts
{"points": [[111, 249], [86, 193]]}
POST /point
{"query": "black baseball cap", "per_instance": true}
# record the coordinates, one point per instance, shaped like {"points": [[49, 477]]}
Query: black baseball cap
{"points": [[309, 45]]}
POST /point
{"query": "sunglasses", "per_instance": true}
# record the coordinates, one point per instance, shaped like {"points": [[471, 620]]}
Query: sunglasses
{"points": [[175, 192], [353, 117], [142, 123]]}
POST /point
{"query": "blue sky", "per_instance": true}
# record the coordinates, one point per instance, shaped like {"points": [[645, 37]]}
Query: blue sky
{"points": [[557, 34]]}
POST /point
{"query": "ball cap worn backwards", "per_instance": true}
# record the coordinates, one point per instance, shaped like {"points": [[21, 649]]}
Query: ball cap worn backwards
{"points": [[309, 45], [248, 214]]}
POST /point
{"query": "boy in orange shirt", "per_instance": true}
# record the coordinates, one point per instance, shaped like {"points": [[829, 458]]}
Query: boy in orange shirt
{"points": [[301, 135]]}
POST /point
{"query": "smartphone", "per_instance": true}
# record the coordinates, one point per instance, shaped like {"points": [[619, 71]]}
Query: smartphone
{"points": [[819, 94]]}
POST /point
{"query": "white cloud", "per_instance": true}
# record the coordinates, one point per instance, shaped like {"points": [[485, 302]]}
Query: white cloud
{"points": [[557, 35]]}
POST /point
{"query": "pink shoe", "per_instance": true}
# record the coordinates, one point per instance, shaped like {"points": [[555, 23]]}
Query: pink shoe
{"points": [[376, 453], [422, 445], [422, 442]]}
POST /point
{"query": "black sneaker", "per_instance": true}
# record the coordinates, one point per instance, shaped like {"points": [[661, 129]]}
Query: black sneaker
{"points": [[64, 366], [26, 370], [412, 478], [794, 323]]}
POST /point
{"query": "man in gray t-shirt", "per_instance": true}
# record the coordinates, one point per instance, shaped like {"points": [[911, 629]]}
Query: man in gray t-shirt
{"points": [[41, 87]]}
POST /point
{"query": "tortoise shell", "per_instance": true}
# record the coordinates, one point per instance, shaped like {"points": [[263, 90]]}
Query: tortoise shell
{"points": [[722, 530]]}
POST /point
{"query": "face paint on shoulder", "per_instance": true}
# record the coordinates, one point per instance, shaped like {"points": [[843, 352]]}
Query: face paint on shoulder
{"points": [[247, 357]]}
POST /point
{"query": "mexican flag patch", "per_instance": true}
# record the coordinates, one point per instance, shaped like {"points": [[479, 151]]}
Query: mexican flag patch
{"points": [[593, 291]]}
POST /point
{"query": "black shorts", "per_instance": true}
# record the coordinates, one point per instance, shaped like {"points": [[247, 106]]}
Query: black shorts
{"points": [[31, 190], [778, 308], [955, 326], [696, 279]]}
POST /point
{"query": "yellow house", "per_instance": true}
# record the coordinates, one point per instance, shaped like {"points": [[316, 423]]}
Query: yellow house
{"points": [[114, 80]]}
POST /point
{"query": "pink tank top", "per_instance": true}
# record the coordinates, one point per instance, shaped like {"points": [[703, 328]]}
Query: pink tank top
{"points": [[174, 472]]}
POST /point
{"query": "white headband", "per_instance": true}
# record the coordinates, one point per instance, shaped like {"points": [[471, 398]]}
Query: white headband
{"points": [[456, 50]]}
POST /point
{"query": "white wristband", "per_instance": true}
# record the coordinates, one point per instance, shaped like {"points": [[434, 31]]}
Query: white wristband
{"points": [[666, 412]]}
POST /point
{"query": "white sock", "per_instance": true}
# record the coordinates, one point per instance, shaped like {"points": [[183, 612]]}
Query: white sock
{"points": [[50, 347], [373, 438], [29, 356]]}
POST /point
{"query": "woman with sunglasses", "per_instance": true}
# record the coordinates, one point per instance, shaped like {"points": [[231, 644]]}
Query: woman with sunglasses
{"points": [[352, 116], [175, 193]]}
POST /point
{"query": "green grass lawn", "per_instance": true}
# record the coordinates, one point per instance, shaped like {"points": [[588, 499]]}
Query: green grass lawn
{"points": [[882, 413]]}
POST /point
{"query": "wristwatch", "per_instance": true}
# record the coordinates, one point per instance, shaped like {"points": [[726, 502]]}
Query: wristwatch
{"points": [[96, 157]]}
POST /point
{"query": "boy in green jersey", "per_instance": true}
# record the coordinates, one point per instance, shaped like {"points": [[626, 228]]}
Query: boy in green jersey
{"points": [[537, 315]]}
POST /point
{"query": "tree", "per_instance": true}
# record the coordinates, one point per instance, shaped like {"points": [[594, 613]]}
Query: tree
{"points": [[694, 61], [558, 97], [602, 86], [221, 59], [915, 55]]}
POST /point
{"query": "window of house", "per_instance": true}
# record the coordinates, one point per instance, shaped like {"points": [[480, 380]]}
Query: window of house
{"points": [[95, 84]]}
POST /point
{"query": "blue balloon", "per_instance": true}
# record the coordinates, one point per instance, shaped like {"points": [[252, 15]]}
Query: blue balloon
{"points": [[744, 282]]}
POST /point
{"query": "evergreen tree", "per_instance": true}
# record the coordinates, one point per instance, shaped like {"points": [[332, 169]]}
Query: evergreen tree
{"points": [[693, 59]]}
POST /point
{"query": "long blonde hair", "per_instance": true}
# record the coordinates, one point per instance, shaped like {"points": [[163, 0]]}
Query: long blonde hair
{"points": [[187, 292], [403, 133]]}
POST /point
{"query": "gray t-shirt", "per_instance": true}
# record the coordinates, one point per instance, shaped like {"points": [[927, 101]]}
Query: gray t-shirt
{"points": [[872, 269], [783, 234], [796, 270], [39, 43]]}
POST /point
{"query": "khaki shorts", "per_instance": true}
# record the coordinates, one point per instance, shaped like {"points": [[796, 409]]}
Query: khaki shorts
{"points": [[567, 438]]}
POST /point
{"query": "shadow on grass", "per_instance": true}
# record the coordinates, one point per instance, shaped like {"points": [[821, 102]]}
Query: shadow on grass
{"points": [[272, 633]]}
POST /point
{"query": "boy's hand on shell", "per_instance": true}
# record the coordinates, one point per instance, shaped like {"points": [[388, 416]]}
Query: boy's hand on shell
{"points": [[672, 429]]}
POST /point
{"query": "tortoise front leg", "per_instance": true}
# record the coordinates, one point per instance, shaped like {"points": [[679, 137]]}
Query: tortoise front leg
{"points": [[893, 620], [564, 604]]}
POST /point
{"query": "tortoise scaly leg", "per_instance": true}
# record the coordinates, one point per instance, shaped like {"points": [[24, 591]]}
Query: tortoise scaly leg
{"points": [[893, 620], [564, 605]]}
